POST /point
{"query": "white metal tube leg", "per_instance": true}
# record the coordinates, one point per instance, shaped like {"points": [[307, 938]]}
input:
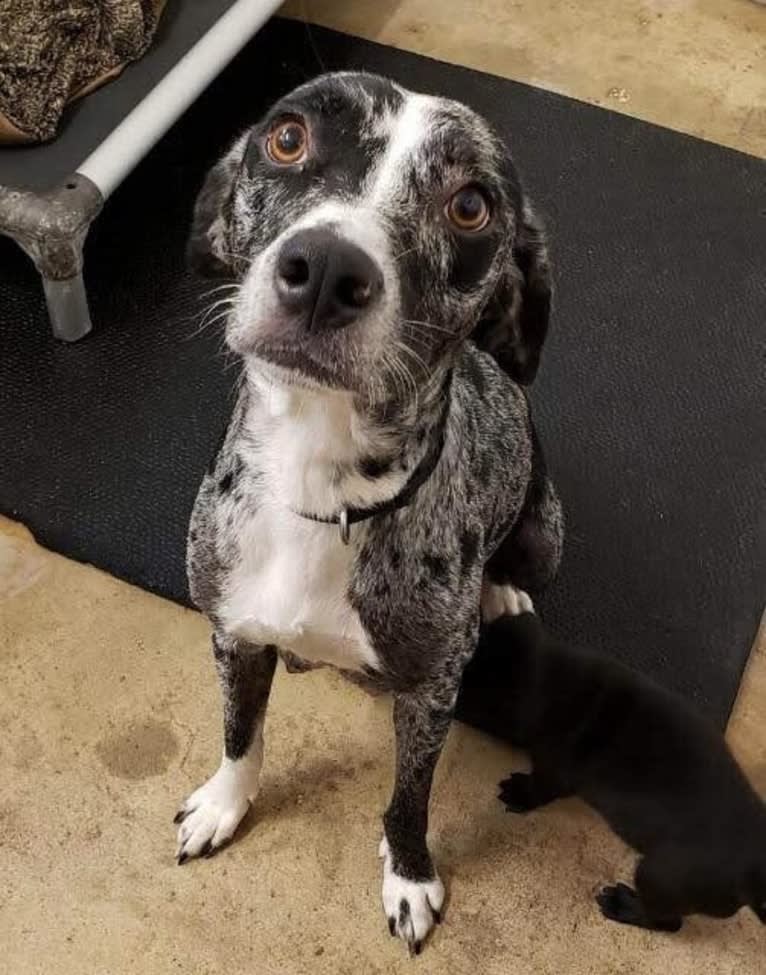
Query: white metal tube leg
{"points": [[68, 311]]}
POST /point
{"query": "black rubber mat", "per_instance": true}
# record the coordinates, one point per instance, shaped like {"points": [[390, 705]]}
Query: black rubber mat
{"points": [[650, 400]]}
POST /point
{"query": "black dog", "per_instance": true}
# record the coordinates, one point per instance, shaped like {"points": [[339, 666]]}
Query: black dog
{"points": [[665, 781]]}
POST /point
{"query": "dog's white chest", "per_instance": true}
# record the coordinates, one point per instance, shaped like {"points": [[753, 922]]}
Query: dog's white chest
{"points": [[290, 588]]}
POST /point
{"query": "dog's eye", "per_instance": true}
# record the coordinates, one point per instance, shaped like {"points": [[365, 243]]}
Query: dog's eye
{"points": [[468, 209], [287, 142]]}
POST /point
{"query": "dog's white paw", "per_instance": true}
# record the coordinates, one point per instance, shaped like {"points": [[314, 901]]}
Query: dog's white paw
{"points": [[211, 814], [412, 907], [506, 600]]}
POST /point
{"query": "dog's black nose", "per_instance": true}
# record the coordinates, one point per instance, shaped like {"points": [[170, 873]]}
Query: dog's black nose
{"points": [[325, 278]]}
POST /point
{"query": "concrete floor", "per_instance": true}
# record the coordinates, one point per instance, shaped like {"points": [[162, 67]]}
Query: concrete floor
{"points": [[110, 704], [698, 66], [111, 711]]}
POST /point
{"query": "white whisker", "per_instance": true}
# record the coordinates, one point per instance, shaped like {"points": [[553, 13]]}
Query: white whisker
{"points": [[431, 325]]}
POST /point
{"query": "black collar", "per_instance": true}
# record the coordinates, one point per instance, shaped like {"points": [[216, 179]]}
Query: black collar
{"points": [[350, 516]]}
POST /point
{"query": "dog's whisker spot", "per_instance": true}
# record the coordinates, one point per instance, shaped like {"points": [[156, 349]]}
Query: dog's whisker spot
{"points": [[231, 286], [427, 325]]}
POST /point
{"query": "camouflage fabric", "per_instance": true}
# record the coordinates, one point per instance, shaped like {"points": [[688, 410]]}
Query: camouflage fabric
{"points": [[53, 51]]}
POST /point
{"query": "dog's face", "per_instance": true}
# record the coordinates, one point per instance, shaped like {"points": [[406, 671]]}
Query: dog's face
{"points": [[372, 230]]}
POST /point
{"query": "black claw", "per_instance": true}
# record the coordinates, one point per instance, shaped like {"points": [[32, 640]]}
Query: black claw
{"points": [[179, 817], [417, 947], [404, 912], [182, 858], [206, 850], [392, 926], [436, 915]]}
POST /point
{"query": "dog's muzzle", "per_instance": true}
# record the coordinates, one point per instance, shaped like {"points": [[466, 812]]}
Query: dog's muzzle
{"points": [[324, 281]]}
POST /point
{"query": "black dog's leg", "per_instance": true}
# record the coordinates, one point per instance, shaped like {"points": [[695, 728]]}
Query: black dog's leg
{"points": [[209, 817], [412, 891], [522, 793], [623, 904], [652, 905]]}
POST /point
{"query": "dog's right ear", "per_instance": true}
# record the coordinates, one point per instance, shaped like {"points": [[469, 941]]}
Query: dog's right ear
{"points": [[208, 250], [514, 324]]}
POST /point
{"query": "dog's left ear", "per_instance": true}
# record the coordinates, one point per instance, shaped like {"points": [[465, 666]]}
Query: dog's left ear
{"points": [[514, 323]]}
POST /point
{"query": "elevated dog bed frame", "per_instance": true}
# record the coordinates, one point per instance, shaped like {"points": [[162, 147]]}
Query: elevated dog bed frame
{"points": [[50, 194]]}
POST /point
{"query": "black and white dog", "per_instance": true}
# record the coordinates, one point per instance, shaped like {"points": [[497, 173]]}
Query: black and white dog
{"points": [[663, 779], [378, 467]]}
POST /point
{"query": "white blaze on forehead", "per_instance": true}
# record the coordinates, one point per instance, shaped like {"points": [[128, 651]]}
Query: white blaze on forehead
{"points": [[352, 220], [358, 217], [405, 130]]}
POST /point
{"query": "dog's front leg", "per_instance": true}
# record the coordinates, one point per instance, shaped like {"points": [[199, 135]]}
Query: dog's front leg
{"points": [[413, 894], [210, 816]]}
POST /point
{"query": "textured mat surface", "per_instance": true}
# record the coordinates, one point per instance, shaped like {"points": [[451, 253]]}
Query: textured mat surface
{"points": [[650, 400]]}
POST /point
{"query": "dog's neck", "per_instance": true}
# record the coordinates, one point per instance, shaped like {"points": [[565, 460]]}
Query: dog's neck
{"points": [[321, 450]]}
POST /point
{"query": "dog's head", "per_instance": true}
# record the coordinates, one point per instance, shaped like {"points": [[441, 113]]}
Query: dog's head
{"points": [[372, 231]]}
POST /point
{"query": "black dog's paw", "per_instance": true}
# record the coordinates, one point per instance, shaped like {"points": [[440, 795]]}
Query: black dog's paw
{"points": [[517, 792], [619, 903], [622, 904]]}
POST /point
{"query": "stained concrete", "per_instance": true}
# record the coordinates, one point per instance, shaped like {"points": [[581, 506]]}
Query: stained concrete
{"points": [[110, 711], [698, 66], [109, 705]]}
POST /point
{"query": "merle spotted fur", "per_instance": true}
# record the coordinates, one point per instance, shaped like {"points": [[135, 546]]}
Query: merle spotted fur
{"points": [[332, 416]]}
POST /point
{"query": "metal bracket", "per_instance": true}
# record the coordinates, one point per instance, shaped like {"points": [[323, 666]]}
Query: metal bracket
{"points": [[51, 228]]}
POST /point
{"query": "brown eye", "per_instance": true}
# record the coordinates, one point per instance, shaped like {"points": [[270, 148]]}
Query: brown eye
{"points": [[468, 209], [286, 143]]}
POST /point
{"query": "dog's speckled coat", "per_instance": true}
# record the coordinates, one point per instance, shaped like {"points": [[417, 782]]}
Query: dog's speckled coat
{"points": [[334, 417]]}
